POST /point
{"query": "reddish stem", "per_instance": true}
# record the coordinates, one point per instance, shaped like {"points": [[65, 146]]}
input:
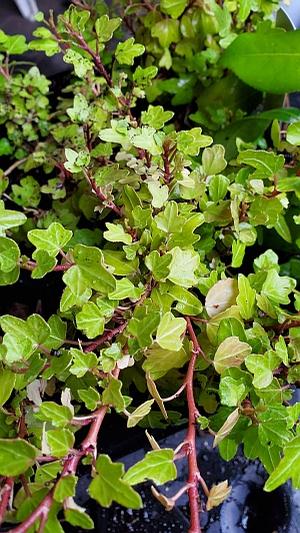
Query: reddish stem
{"points": [[167, 167], [96, 58], [31, 265], [97, 190], [106, 337], [70, 467], [5, 495], [190, 439]]}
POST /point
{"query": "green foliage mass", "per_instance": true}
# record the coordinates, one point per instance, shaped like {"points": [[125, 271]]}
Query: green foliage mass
{"points": [[150, 226]]}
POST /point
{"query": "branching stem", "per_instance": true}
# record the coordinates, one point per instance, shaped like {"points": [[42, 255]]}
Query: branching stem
{"points": [[190, 439], [5, 496]]}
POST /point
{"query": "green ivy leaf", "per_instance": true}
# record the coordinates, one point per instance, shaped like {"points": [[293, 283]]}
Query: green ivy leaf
{"points": [[65, 488], [262, 367], [187, 303], [190, 142], [105, 27], [76, 161], [127, 51], [159, 193], [158, 265], [174, 8], [52, 239], [267, 164], [143, 328], [113, 396], [125, 289], [89, 272], [10, 219], [80, 110], [7, 383], [108, 485], [16, 456], [82, 362], [27, 194], [90, 320], [78, 518], [230, 327], [167, 32], [60, 441], [58, 415], [170, 331], [116, 233], [14, 44], [273, 426], [9, 254], [183, 266], [293, 133], [157, 465], [246, 298], [232, 391], [44, 264], [277, 288], [159, 361], [58, 329], [81, 64], [238, 253], [156, 116], [22, 337], [90, 397], [289, 467], [218, 187]]}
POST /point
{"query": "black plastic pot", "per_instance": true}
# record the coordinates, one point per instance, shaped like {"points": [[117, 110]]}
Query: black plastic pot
{"points": [[248, 509]]}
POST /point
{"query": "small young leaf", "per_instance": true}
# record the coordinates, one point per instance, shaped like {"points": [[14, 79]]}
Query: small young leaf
{"points": [[213, 160], [105, 27], [139, 413], [127, 51]]}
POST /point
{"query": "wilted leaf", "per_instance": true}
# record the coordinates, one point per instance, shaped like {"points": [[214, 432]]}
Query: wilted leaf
{"points": [[221, 296], [217, 494], [227, 427]]}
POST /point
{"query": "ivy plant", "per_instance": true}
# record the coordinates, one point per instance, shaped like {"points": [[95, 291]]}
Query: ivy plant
{"points": [[172, 307]]}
